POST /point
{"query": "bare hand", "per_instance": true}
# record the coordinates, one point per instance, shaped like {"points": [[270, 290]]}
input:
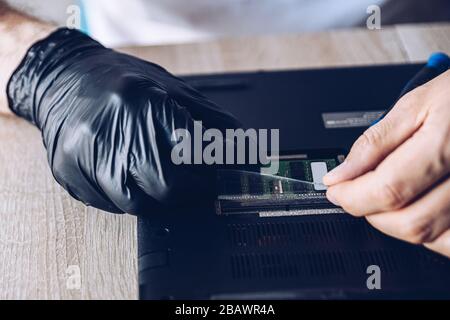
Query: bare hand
{"points": [[397, 173]]}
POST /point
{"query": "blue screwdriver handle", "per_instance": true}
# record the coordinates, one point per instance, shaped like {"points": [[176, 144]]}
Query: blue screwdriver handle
{"points": [[437, 64]]}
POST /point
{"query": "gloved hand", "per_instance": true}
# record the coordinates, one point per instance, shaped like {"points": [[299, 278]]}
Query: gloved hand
{"points": [[107, 121]]}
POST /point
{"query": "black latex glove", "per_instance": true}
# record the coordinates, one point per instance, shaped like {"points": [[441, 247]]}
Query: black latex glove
{"points": [[107, 121]]}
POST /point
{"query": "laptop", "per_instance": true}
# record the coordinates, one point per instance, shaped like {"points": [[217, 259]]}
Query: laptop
{"points": [[273, 238]]}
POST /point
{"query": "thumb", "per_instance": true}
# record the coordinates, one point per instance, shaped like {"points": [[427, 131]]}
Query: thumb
{"points": [[382, 138]]}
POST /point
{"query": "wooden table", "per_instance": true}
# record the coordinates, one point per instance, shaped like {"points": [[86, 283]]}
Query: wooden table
{"points": [[44, 233]]}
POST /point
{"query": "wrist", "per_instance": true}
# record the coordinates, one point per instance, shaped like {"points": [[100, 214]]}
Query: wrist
{"points": [[47, 65], [17, 33]]}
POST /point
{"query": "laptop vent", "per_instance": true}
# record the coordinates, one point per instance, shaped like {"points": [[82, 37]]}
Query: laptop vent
{"points": [[282, 234], [426, 260], [317, 264]]}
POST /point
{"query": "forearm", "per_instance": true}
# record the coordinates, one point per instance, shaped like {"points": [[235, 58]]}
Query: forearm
{"points": [[17, 33]]}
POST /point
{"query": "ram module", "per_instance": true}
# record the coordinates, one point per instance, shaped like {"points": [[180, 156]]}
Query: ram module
{"points": [[296, 189]]}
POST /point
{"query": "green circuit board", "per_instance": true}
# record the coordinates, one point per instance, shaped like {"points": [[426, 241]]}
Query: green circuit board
{"points": [[295, 176]]}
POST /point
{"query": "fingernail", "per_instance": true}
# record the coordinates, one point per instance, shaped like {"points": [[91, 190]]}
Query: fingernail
{"points": [[332, 198], [336, 175]]}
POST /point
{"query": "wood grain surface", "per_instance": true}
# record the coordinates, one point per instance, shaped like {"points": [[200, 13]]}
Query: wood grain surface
{"points": [[45, 235]]}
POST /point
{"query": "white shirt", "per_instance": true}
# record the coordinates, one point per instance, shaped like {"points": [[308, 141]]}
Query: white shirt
{"points": [[147, 22]]}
